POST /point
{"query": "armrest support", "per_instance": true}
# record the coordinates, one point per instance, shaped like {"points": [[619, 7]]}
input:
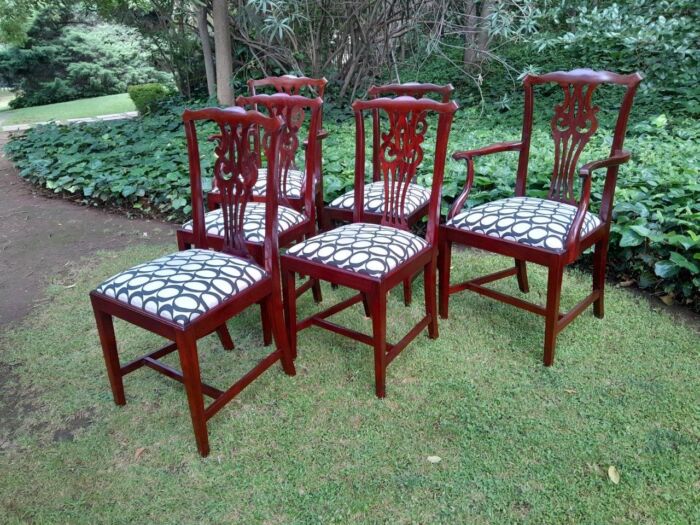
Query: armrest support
{"points": [[468, 156], [585, 172]]}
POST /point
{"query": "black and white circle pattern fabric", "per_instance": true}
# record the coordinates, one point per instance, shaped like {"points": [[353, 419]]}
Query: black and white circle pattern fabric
{"points": [[182, 286], [295, 183], [253, 221], [416, 196], [368, 249], [535, 222]]}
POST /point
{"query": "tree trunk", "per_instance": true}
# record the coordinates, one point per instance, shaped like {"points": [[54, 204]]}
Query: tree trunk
{"points": [[203, 29], [222, 46]]}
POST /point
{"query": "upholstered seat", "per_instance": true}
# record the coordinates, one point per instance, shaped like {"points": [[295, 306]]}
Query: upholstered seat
{"points": [[369, 249], [416, 196], [293, 188], [253, 221], [535, 222], [183, 285]]}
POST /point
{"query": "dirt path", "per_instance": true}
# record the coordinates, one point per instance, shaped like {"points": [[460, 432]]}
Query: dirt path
{"points": [[40, 235]]}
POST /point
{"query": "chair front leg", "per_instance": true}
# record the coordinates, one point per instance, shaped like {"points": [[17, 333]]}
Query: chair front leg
{"points": [[189, 361], [444, 263], [377, 304], [554, 280], [600, 258], [105, 329], [429, 275], [279, 332]]}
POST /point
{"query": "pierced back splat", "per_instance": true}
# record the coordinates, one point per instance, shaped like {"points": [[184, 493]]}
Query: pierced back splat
{"points": [[573, 124], [400, 153], [295, 111], [235, 172]]}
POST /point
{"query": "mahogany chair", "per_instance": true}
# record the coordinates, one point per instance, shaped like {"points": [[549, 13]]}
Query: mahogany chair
{"points": [[296, 112], [417, 197], [373, 258], [294, 181], [187, 295], [553, 231]]}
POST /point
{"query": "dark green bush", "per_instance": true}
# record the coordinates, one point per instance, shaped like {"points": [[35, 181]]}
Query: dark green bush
{"points": [[147, 97]]}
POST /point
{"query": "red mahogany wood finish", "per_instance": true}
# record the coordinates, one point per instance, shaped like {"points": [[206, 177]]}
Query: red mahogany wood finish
{"points": [[411, 89], [295, 111], [300, 86], [401, 153], [573, 124], [236, 172]]}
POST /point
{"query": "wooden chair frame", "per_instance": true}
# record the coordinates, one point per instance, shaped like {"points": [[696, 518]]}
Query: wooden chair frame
{"points": [[292, 85], [375, 289], [235, 193], [573, 123], [288, 107], [411, 89]]}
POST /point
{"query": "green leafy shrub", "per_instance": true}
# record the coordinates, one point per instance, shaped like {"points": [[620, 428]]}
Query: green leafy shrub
{"points": [[146, 97], [141, 165]]}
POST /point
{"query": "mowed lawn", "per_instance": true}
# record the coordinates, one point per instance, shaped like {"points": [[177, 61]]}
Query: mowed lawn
{"points": [[517, 442], [87, 107]]}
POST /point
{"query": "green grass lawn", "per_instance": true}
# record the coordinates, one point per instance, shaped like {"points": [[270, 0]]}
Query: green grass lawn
{"points": [[519, 443], [87, 107]]}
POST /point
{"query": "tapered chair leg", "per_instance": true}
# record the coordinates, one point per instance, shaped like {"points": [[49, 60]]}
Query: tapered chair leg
{"points": [[281, 339], [599, 262], [290, 310], [378, 307], [225, 337], [407, 292], [522, 276], [430, 298], [265, 315], [554, 280], [444, 263], [105, 329], [187, 349]]}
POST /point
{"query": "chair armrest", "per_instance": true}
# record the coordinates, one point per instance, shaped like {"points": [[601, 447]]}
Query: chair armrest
{"points": [[469, 157], [488, 150], [620, 157], [574, 235]]}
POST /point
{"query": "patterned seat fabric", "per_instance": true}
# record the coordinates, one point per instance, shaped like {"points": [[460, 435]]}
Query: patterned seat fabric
{"points": [[368, 249], [182, 286], [535, 222], [253, 221], [295, 183], [416, 196]]}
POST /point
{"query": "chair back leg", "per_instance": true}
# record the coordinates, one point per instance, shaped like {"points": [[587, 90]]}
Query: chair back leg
{"points": [[554, 281], [444, 263], [225, 337], [377, 304], [429, 276], [522, 275], [600, 258]]}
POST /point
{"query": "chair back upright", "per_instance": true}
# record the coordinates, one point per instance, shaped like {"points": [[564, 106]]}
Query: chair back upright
{"points": [[407, 89], [573, 124], [400, 153], [299, 114], [235, 172]]}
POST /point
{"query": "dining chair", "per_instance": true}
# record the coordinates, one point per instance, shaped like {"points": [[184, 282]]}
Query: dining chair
{"points": [[371, 257], [551, 231], [189, 294], [341, 209]]}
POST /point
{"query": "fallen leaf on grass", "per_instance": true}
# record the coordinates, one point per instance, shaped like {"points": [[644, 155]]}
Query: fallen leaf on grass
{"points": [[139, 452], [667, 299], [570, 391], [625, 284], [434, 459], [613, 474]]}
